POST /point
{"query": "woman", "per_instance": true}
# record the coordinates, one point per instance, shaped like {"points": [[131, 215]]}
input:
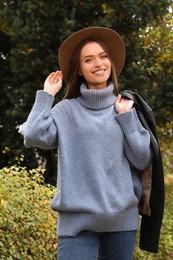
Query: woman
{"points": [[100, 142]]}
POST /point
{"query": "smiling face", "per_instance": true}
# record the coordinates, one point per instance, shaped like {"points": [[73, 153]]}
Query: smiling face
{"points": [[95, 65]]}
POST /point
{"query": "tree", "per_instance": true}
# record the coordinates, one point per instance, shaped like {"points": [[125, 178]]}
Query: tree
{"points": [[36, 29], [156, 41]]}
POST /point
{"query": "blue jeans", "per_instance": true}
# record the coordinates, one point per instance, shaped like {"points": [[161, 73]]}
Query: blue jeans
{"points": [[90, 245]]}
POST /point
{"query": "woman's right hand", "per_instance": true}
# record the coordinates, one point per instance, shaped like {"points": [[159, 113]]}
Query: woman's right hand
{"points": [[53, 83]]}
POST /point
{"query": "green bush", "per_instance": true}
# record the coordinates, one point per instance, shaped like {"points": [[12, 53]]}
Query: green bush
{"points": [[166, 236], [27, 224], [166, 145]]}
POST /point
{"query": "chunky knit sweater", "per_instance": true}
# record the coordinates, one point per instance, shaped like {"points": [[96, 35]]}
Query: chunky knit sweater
{"points": [[98, 149]]}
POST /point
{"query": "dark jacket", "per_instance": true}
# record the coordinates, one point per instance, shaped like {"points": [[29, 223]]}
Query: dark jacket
{"points": [[152, 180]]}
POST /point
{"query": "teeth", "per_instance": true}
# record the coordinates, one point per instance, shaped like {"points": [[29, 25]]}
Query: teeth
{"points": [[99, 72]]}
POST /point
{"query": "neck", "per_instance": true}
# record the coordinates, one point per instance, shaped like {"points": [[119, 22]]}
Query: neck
{"points": [[96, 98]]}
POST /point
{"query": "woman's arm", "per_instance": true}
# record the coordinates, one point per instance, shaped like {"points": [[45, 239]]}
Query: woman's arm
{"points": [[40, 129], [137, 139]]}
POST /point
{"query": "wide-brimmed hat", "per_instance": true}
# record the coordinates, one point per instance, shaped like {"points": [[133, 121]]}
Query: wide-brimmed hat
{"points": [[109, 37]]}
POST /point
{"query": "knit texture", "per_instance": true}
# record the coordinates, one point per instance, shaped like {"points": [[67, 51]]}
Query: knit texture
{"points": [[98, 149]]}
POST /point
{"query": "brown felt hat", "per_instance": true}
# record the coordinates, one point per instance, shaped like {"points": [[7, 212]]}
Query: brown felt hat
{"points": [[109, 37]]}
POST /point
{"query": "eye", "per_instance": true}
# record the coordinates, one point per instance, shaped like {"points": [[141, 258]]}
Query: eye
{"points": [[88, 60], [105, 56]]}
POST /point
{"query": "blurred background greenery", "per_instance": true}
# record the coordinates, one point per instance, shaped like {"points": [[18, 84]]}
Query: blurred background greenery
{"points": [[30, 35]]}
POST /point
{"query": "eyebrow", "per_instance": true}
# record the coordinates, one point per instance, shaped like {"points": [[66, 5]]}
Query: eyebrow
{"points": [[88, 56]]}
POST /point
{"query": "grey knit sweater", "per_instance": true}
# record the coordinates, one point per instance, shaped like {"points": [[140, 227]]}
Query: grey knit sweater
{"points": [[98, 149]]}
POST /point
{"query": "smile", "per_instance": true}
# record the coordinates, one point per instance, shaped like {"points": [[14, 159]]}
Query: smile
{"points": [[99, 72]]}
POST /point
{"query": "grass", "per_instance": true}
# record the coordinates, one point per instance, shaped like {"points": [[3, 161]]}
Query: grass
{"points": [[166, 236]]}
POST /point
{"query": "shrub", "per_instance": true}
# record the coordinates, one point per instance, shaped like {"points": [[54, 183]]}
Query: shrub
{"points": [[27, 224], [166, 144], [166, 236]]}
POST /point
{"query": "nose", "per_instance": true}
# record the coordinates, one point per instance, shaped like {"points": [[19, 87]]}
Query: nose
{"points": [[97, 62]]}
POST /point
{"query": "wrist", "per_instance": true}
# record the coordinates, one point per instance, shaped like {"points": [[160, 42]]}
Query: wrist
{"points": [[49, 92]]}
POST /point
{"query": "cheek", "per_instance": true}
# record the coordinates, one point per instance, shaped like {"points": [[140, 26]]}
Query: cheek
{"points": [[84, 69]]}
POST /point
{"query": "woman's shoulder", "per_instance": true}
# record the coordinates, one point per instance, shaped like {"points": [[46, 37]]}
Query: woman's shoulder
{"points": [[66, 104]]}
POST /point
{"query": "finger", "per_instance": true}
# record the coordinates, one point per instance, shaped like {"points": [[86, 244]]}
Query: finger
{"points": [[57, 76], [54, 78], [61, 75], [51, 75], [50, 78]]}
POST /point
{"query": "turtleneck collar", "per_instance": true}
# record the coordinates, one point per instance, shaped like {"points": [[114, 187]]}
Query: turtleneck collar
{"points": [[97, 99]]}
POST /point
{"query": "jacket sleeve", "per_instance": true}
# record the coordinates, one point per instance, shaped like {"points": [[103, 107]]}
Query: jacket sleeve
{"points": [[137, 140], [40, 129]]}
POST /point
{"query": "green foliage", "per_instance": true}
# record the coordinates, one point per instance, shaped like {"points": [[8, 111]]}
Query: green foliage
{"points": [[166, 236], [166, 143], [156, 65], [27, 224]]}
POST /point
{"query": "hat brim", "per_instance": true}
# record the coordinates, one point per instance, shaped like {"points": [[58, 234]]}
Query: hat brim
{"points": [[109, 37]]}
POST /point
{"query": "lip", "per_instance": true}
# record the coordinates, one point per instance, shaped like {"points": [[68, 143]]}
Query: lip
{"points": [[99, 72]]}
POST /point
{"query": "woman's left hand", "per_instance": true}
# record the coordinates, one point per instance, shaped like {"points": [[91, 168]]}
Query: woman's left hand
{"points": [[123, 104]]}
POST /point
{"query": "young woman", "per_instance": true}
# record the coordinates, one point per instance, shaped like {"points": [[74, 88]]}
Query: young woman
{"points": [[100, 142]]}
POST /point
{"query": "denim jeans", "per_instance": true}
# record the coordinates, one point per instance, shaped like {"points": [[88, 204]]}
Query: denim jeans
{"points": [[97, 245]]}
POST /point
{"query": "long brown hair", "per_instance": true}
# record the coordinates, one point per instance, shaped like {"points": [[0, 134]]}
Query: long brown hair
{"points": [[75, 80]]}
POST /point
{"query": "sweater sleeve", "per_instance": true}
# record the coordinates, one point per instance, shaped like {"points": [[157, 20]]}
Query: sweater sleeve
{"points": [[40, 130], [137, 139]]}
